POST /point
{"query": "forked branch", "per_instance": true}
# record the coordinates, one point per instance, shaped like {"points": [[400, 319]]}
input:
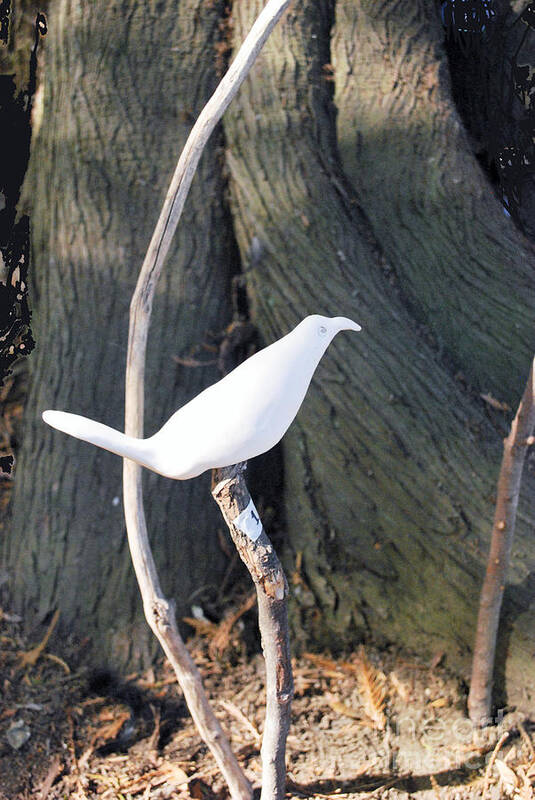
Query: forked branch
{"points": [[514, 454], [159, 612]]}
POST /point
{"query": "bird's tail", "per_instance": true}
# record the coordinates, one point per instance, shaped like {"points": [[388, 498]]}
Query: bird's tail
{"points": [[101, 435]]}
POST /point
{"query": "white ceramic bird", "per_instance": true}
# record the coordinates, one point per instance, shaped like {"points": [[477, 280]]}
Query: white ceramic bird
{"points": [[244, 414]]}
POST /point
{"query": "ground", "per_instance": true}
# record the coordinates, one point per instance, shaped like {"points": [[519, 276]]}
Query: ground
{"points": [[372, 724]]}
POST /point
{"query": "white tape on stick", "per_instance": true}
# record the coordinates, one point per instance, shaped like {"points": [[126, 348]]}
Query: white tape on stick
{"points": [[249, 522]]}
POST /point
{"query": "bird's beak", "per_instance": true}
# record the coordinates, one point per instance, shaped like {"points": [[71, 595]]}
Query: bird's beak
{"points": [[345, 324]]}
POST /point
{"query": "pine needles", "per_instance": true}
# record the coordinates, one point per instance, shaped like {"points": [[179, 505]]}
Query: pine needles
{"points": [[371, 684], [372, 690]]}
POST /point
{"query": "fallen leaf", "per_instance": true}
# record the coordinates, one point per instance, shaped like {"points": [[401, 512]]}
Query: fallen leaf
{"points": [[111, 730], [348, 711], [372, 690], [508, 778], [440, 702]]}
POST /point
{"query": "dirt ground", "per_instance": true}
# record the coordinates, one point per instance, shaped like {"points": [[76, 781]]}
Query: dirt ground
{"points": [[370, 725]]}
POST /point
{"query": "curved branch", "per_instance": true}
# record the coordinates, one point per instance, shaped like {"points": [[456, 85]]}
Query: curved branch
{"points": [[159, 612]]}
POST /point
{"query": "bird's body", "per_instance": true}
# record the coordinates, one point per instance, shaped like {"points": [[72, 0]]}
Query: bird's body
{"points": [[244, 414]]}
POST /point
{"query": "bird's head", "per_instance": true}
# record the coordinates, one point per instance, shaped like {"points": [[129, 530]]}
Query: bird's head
{"points": [[315, 333], [324, 329]]}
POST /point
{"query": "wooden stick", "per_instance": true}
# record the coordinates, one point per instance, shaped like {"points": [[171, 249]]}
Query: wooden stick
{"points": [[514, 454], [492, 761], [158, 611], [231, 494]]}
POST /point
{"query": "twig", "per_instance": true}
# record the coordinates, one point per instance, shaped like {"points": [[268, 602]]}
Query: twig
{"points": [[527, 741], [514, 454], [232, 496], [158, 611], [436, 787], [238, 714], [30, 657], [76, 766], [58, 660], [54, 770], [220, 640], [155, 735], [490, 765]]}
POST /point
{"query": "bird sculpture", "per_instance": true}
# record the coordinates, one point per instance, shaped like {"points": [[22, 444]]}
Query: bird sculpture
{"points": [[244, 414]]}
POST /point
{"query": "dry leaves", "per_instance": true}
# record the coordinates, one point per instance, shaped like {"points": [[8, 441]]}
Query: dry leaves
{"points": [[518, 782], [514, 780], [112, 724], [219, 635], [371, 685], [372, 690], [349, 711], [29, 658], [167, 773], [327, 668]]}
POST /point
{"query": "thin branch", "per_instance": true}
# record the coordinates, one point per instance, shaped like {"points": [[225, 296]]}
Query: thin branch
{"points": [[514, 454], [141, 303], [159, 612], [256, 551], [491, 762]]}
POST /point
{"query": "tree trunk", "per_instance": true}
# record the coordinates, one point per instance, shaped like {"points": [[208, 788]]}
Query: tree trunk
{"points": [[121, 90], [390, 468], [354, 191]]}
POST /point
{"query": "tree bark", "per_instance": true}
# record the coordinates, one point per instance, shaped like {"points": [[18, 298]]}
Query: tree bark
{"points": [[122, 87], [230, 492], [515, 447], [462, 268], [390, 465], [353, 191]]}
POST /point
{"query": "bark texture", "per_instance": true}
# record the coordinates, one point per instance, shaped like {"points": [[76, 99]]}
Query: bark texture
{"points": [[390, 465], [509, 483], [230, 492], [354, 191], [123, 84], [460, 264]]}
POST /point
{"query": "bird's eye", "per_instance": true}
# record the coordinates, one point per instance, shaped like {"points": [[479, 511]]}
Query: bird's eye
{"points": [[322, 330]]}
